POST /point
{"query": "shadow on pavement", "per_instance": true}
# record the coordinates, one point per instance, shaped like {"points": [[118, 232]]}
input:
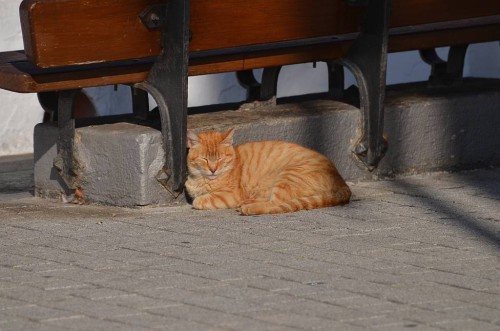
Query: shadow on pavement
{"points": [[453, 209]]}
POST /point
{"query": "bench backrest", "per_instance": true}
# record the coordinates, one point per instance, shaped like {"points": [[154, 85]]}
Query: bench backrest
{"points": [[68, 32]]}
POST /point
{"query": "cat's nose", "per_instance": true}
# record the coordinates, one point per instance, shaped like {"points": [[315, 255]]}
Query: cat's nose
{"points": [[213, 168]]}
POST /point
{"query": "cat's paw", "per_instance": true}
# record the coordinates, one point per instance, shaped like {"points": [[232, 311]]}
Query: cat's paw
{"points": [[255, 208], [245, 210], [200, 203], [249, 201]]}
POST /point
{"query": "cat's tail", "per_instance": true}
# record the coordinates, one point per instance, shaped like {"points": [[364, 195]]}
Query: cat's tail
{"points": [[340, 197]]}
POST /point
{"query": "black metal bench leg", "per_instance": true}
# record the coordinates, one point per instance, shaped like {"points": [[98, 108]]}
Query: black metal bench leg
{"points": [[445, 73], [247, 80], [269, 85], [49, 101], [167, 82], [264, 91], [335, 80], [140, 103], [65, 162], [367, 59]]}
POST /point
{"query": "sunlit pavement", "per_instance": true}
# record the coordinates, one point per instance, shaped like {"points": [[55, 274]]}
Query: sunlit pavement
{"points": [[419, 252]]}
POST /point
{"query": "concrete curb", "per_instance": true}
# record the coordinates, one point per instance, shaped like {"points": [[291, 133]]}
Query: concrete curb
{"points": [[427, 130]]}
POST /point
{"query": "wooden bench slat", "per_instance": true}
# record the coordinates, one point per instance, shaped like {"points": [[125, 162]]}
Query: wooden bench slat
{"points": [[18, 75], [415, 12], [432, 39], [397, 43], [233, 23], [110, 30], [66, 32]]}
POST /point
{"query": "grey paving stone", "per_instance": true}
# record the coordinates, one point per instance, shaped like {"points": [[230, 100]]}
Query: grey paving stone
{"points": [[475, 312], [91, 308], [156, 321], [397, 326], [86, 323], [37, 313], [335, 313], [25, 324], [419, 252], [295, 321], [382, 321], [465, 324], [209, 316]]}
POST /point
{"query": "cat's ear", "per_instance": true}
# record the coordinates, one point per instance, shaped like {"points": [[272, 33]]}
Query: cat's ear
{"points": [[228, 137], [192, 139]]}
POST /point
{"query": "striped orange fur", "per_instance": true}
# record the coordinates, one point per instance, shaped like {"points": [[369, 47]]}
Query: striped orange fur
{"points": [[264, 177]]}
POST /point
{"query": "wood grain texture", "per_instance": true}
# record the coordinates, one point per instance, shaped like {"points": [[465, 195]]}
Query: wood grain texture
{"points": [[431, 39], [110, 30], [19, 75], [415, 12], [230, 23], [65, 32]]}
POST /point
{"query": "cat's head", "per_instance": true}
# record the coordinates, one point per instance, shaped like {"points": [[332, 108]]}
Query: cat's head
{"points": [[211, 153]]}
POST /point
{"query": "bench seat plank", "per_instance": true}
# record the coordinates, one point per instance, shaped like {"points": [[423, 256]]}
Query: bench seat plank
{"points": [[105, 30], [111, 30], [113, 27], [19, 75]]}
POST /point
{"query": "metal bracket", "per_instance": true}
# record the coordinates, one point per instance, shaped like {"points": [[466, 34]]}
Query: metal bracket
{"points": [[367, 59], [167, 83], [445, 73]]}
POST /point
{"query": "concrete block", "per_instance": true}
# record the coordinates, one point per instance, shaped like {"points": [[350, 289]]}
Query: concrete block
{"points": [[427, 130], [442, 130], [326, 126], [119, 164], [48, 184]]}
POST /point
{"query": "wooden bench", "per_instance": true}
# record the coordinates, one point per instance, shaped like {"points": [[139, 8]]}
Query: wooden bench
{"points": [[73, 44]]}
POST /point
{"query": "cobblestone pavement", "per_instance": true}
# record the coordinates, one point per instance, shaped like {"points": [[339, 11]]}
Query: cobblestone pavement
{"points": [[416, 253]]}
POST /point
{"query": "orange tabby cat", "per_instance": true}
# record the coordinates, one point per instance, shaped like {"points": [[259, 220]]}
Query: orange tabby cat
{"points": [[265, 177]]}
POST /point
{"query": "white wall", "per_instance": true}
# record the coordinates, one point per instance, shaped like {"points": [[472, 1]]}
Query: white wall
{"points": [[20, 112]]}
